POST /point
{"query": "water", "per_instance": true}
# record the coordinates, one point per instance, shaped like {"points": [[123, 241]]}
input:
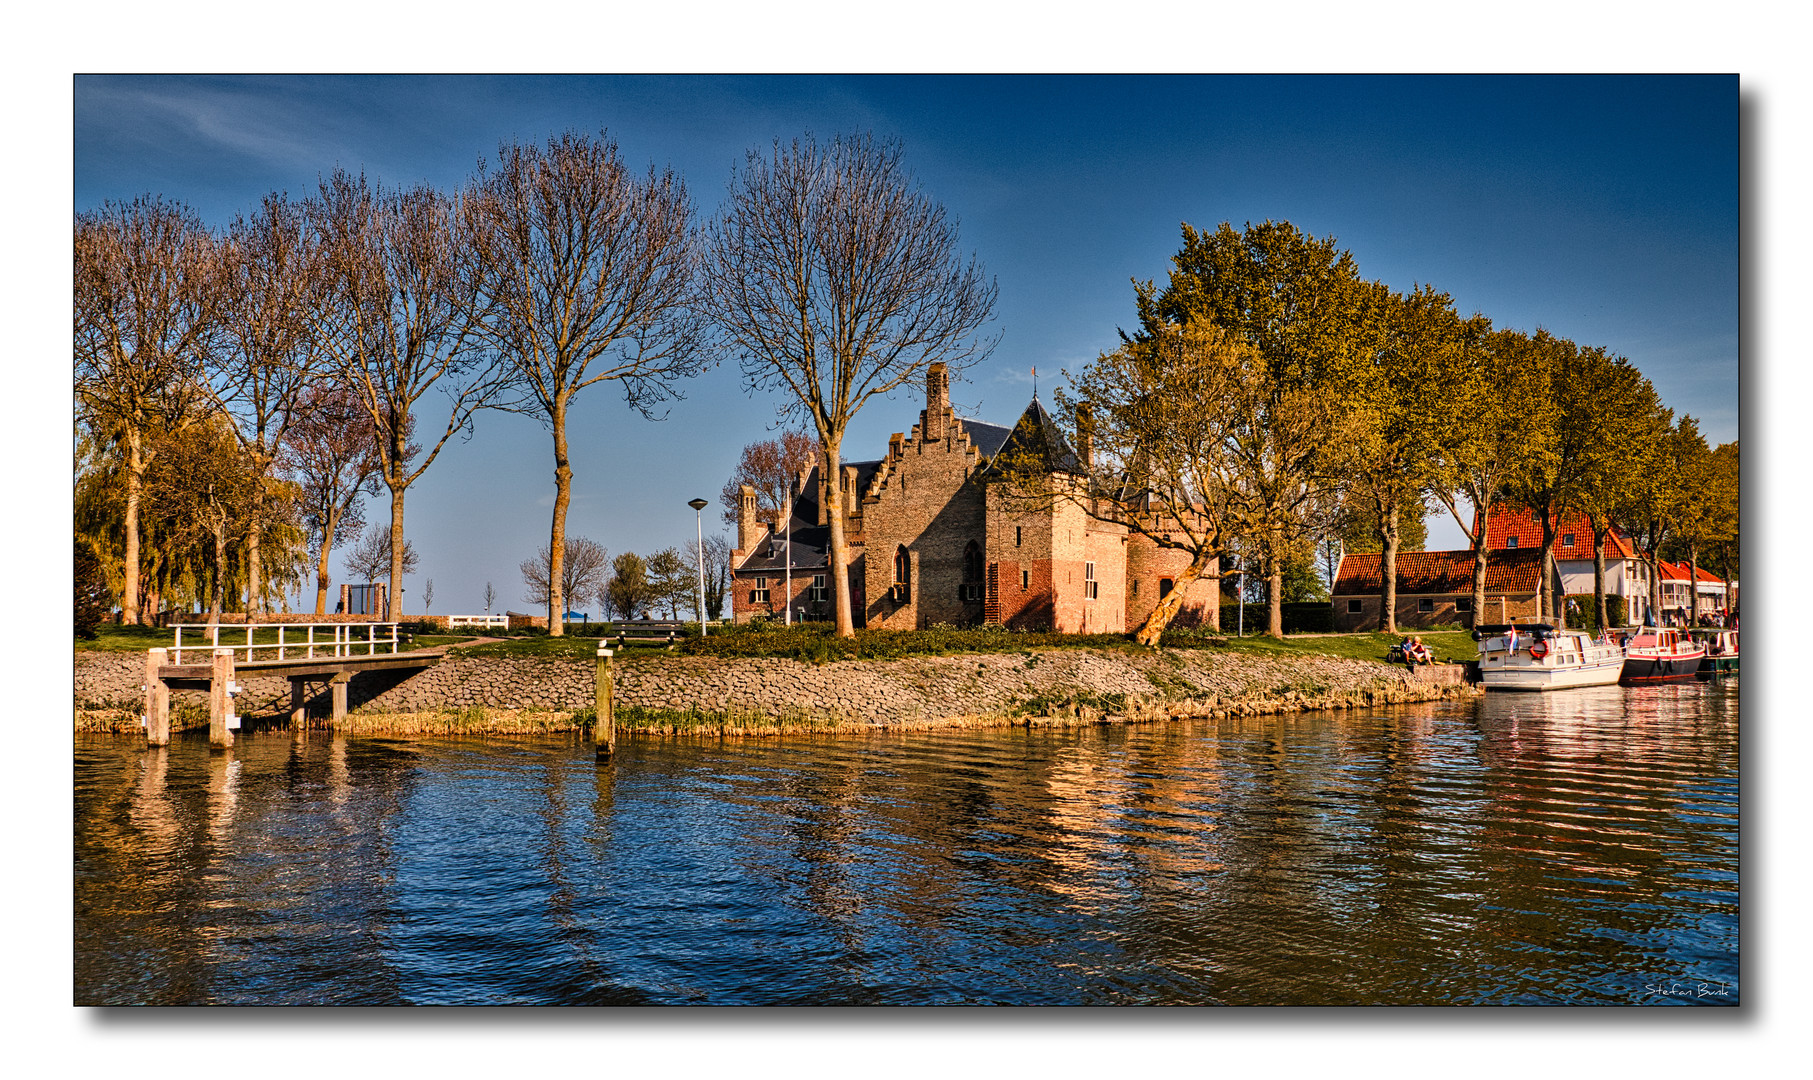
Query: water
{"points": [[1570, 848]]}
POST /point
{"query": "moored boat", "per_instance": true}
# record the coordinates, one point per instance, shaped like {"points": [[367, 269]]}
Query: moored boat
{"points": [[1539, 657], [1721, 651], [1657, 654]]}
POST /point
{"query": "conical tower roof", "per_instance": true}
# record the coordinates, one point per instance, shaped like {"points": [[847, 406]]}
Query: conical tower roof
{"points": [[1036, 438]]}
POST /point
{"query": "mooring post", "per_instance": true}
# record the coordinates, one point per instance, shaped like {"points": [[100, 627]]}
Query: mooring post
{"points": [[157, 700], [336, 687], [604, 722], [298, 702], [220, 703]]}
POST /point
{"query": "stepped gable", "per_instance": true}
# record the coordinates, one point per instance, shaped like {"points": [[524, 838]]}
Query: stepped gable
{"points": [[1036, 436], [1440, 572]]}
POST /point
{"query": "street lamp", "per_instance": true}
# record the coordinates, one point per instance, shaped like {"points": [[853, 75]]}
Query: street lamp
{"points": [[698, 508]]}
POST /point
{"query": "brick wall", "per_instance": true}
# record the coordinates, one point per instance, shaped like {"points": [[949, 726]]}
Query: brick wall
{"points": [[1513, 606], [1148, 566], [926, 499]]}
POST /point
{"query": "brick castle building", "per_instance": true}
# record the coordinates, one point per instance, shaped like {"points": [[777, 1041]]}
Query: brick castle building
{"points": [[935, 538]]}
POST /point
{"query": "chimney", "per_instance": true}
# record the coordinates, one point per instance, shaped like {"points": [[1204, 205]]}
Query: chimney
{"points": [[747, 526], [937, 403]]}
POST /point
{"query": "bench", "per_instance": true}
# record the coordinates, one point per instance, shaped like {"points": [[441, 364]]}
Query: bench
{"points": [[625, 640]]}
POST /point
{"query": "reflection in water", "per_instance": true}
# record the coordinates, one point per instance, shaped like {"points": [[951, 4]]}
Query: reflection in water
{"points": [[1572, 847]]}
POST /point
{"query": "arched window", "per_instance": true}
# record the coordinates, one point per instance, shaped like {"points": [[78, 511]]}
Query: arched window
{"points": [[1164, 587], [971, 588], [903, 574]]}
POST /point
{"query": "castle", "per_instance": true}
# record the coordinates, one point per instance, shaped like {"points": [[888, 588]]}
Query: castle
{"points": [[936, 538]]}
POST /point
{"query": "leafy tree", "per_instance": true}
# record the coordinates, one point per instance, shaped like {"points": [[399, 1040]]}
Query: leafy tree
{"points": [[1663, 502], [91, 592], [581, 571], [1495, 393], [588, 273], [147, 311], [1619, 415], [401, 321], [1298, 303], [629, 589], [837, 279], [772, 467]]}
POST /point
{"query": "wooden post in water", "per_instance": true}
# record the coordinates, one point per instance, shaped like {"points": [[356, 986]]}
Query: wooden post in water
{"points": [[604, 723], [336, 687], [220, 703], [298, 703], [157, 700]]}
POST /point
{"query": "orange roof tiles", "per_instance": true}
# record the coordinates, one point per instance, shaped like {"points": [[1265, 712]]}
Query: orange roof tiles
{"points": [[1441, 572]]}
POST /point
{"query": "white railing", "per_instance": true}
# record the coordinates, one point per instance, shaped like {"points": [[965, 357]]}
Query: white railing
{"points": [[485, 621], [295, 641]]}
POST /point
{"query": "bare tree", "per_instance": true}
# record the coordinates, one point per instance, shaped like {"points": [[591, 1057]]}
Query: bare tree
{"points": [[402, 322], [581, 572], [717, 575], [771, 467], [428, 595], [146, 315], [332, 453], [838, 279], [490, 597], [369, 560], [271, 288], [583, 263]]}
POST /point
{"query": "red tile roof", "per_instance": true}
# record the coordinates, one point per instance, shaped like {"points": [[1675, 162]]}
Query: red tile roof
{"points": [[1441, 573], [1673, 571], [1509, 521]]}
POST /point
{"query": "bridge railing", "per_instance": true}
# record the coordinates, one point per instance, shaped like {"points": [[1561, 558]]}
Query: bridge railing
{"points": [[293, 641]]}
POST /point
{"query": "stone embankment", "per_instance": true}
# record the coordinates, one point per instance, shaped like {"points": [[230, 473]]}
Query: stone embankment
{"points": [[756, 694]]}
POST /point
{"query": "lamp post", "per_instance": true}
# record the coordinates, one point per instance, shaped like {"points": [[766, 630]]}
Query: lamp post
{"points": [[698, 510]]}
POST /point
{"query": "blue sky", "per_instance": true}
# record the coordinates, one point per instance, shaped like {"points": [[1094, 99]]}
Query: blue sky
{"points": [[1602, 208]]}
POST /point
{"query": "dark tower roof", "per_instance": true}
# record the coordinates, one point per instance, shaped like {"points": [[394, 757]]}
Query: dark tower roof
{"points": [[1036, 439]]}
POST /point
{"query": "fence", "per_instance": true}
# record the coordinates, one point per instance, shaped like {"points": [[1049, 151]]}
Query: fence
{"points": [[337, 639], [500, 622]]}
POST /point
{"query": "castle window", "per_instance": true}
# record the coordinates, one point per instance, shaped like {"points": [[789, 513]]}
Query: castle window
{"points": [[1136, 588], [759, 594], [1511, 542], [903, 574], [1025, 580], [1165, 585], [971, 588], [1091, 587], [1016, 536], [817, 594]]}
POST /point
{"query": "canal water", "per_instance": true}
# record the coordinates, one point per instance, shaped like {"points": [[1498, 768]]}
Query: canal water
{"points": [[1579, 847]]}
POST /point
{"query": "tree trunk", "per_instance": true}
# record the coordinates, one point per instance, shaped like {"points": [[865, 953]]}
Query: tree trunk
{"points": [[557, 535], [393, 597], [322, 580], [1546, 594], [1274, 582], [219, 530], [1387, 533], [135, 483], [1602, 616], [1480, 555], [1168, 608], [840, 548], [254, 575]]}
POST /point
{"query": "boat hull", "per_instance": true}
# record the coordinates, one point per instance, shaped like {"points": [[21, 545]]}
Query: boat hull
{"points": [[1643, 670], [1537, 678], [1719, 665]]}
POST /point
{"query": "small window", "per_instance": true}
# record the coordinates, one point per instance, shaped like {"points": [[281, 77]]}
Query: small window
{"points": [[1511, 542], [1136, 588], [817, 595], [1165, 585], [903, 570], [1025, 580], [1425, 605], [1016, 536], [759, 594], [1356, 607], [1464, 604], [1567, 539], [1091, 587]]}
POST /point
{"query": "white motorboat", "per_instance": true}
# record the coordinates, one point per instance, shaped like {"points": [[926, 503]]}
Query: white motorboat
{"points": [[1536, 656]]}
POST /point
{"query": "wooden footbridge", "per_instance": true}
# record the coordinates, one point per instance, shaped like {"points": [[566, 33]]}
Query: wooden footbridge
{"points": [[330, 653]]}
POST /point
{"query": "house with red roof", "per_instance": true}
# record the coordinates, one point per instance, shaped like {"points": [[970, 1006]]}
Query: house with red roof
{"points": [[1709, 592], [1515, 528], [1436, 588]]}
